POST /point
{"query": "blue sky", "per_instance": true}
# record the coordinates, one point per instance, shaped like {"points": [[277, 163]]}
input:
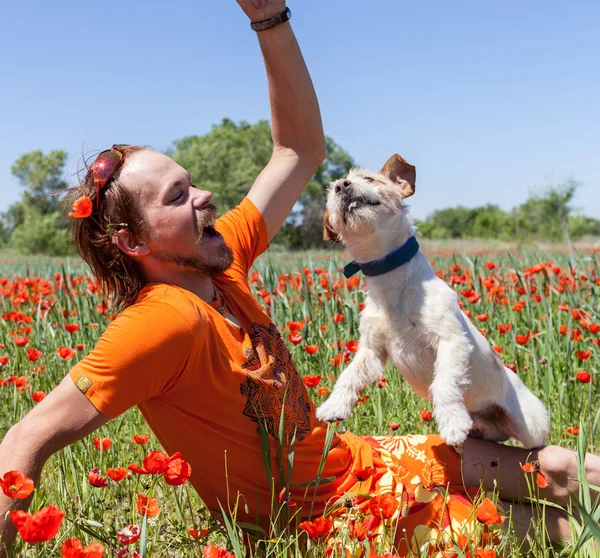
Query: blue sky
{"points": [[489, 99]]}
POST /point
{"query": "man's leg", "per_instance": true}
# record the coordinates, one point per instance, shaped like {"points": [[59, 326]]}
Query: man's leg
{"points": [[555, 521], [499, 467]]}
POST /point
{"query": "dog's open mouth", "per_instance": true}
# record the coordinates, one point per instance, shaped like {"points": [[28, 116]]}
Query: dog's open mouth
{"points": [[357, 203]]}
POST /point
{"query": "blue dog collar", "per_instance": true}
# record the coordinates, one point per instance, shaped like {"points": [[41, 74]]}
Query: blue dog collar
{"points": [[398, 257]]}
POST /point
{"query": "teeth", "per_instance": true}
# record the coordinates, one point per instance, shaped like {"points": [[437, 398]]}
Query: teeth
{"points": [[352, 205]]}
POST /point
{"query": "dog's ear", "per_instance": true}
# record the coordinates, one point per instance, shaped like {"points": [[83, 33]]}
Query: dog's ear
{"points": [[328, 232], [400, 171]]}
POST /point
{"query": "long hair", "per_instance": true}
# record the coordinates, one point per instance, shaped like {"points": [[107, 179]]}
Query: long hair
{"points": [[96, 236]]}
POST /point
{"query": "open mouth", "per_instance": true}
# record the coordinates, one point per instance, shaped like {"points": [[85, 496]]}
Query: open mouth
{"points": [[360, 202], [210, 232]]}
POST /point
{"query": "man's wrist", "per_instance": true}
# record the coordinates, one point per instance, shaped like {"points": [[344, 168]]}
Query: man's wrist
{"points": [[273, 21]]}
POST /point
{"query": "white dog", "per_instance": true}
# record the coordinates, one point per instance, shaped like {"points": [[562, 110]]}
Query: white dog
{"points": [[412, 317]]}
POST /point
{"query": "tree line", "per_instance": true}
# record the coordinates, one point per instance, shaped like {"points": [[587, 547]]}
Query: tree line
{"points": [[226, 161]]}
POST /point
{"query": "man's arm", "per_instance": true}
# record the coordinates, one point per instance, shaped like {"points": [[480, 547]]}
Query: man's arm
{"points": [[63, 417], [299, 144]]}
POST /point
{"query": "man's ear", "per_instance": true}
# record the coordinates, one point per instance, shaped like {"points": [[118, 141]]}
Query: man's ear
{"points": [[401, 172], [328, 232], [129, 245]]}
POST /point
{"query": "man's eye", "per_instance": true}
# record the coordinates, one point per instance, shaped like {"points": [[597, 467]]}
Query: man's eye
{"points": [[177, 198]]}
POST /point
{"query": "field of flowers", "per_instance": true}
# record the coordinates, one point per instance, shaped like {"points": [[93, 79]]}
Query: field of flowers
{"points": [[539, 311]]}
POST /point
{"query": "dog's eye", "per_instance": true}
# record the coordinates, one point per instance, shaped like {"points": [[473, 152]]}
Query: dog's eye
{"points": [[369, 179]]}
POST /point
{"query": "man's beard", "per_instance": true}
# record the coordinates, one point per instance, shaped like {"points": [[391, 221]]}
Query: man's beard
{"points": [[210, 267]]}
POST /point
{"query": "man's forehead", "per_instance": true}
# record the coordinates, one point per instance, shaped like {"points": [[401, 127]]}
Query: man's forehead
{"points": [[146, 173]]}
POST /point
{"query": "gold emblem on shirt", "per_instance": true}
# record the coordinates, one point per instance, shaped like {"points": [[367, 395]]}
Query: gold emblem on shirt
{"points": [[83, 383]]}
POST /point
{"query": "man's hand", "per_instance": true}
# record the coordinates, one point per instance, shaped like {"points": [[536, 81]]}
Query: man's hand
{"points": [[257, 10]]}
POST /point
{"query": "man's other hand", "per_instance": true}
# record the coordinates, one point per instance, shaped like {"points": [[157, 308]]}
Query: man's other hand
{"points": [[257, 10]]}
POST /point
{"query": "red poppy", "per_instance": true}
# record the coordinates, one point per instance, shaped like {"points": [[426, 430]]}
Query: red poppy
{"points": [[82, 208], [198, 533], [338, 318], [563, 330], [311, 349], [135, 468], [504, 328], [106, 443], [426, 415], [3, 360], [73, 548], [129, 535], [583, 355], [393, 425], [39, 527], [178, 472], [212, 551], [523, 339], [66, 352], [363, 474], [498, 348], [37, 396], [573, 430], [96, 479], [16, 485], [141, 439], [71, 328], [156, 462], [485, 553], [594, 328], [490, 265], [117, 474], [21, 341], [126, 553], [482, 317], [583, 377], [34, 354], [146, 505], [352, 346], [295, 339], [383, 506], [311, 380], [323, 391], [317, 528], [487, 513]]}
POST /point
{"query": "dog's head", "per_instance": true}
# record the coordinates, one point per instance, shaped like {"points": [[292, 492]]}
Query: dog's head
{"points": [[364, 202]]}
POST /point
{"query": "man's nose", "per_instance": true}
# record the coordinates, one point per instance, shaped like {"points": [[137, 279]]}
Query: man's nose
{"points": [[341, 185], [201, 198]]}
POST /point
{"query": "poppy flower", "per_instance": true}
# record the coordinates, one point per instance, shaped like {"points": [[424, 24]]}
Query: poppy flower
{"points": [[71, 328], [563, 330], [82, 208], [363, 474], [126, 553], [40, 527], [540, 478], [285, 498], [106, 443], [312, 380], [295, 339], [212, 551], [66, 353], [95, 479], [129, 535], [573, 430], [198, 533], [311, 349], [141, 439], [16, 485], [583, 355], [33, 354], [485, 553], [37, 396], [156, 462], [583, 377], [504, 328], [73, 548], [482, 317], [3, 360], [352, 346], [393, 425], [594, 328], [317, 528], [178, 472], [523, 339], [146, 505], [383, 506], [323, 391], [21, 341], [487, 513], [338, 318], [426, 415], [117, 474]]}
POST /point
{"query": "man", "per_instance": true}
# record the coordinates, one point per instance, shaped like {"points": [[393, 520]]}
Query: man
{"points": [[194, 350]]}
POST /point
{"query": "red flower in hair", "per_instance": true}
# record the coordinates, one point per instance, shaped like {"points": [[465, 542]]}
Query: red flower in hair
{"points": [[82, 208]]}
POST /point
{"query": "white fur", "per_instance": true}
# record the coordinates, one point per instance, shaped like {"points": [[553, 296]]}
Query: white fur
{"points": [[412, 318]]}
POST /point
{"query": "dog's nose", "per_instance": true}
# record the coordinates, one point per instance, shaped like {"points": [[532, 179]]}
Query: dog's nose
{"points": [[342, 185]]}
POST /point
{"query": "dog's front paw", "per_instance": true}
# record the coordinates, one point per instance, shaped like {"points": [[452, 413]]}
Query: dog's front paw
{"points": [[337, 407], [454, 426]]}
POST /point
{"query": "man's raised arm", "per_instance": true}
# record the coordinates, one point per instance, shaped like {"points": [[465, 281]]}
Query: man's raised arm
{"points": [[62, 418], [299, 144]]}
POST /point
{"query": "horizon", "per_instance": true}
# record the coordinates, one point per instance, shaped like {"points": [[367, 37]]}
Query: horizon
{"points": [[489, 102]]}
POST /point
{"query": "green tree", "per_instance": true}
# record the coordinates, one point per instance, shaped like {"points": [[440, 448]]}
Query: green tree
{"points": [[41, 234], [227, 160]]}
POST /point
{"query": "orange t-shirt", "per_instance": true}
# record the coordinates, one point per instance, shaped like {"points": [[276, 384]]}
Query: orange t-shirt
{"points": [[203, 385]]}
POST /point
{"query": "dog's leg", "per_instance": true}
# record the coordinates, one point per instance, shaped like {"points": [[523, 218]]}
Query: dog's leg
{"points": [[367, 367], [451, 367]]}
